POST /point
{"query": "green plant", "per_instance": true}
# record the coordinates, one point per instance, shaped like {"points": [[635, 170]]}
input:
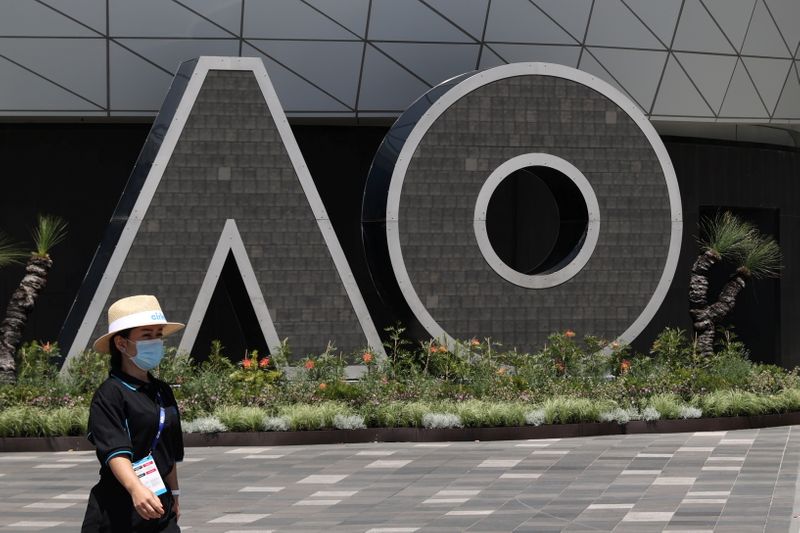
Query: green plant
{"points": [[568, 410], [175, 368], [310, 417], [86, 371], [238, 418], [36, 363]]}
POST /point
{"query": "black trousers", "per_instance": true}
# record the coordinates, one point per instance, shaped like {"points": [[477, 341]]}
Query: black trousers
{"points": [[110, 510]]}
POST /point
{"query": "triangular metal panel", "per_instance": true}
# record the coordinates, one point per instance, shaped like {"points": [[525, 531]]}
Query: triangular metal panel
{"points": [[230, 242], [489, 58], [226, 13], [763, 37], [385, 86], [23, 90], [434, 62], [25, 17], [789, 102], [515, 53], [787, 16], [733, 17], [352, 14], [89, 12], [290, 19], [470, 15], [158, 18], [613, 24], [332, 66], [81, 66], [589, 64], [769, 76], [519, 21], [637, 70], [661, 17], [135, 84], [697, 31], [297, 94], [170, 53], [573, 16], [391, 20], [710, 72], [224, 151], [677, 97], [742, 99]]}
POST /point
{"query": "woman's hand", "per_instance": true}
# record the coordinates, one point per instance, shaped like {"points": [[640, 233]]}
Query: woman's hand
{"points": [[146, 503]]}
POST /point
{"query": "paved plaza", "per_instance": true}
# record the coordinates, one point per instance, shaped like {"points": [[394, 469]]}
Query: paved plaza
{"points": [[741, 481]]}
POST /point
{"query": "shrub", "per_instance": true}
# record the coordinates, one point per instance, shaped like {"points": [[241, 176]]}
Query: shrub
{"points": [[441, 421], [206, 424], [310, 417], [619, 415], [732, 403], [478, 413], [568, 410], [240, 418], [535, 418], [668, 405], [276, 423], [399, 414], [175, 368], [348, 422], [23, 421], [650, 414], [86, 372], [687, 411]]}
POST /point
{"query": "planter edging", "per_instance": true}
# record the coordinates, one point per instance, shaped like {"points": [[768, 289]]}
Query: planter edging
{"points": [[342, 436]]}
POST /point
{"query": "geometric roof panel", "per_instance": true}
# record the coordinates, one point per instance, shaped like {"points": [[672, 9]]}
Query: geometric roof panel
{"points": [[769, 76], [352, 14], [412, 21], [733, 17], [677, 96], [135, 84], [514, 53], [742, 99], [28, 18], [520, 21], [661, 17], [710, 72], [637, 70], [763, 37], [786, 14], [24, 90], [433, 62], [386, 86], [289, 19], [470, 15], [573, 16], [89, 12], [607, 19], [170, 53], [789, 101], [489, 58], [698, 32], [332, 66], [157, 18]]}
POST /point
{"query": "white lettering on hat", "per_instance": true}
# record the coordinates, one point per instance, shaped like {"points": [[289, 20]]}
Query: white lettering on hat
{"points": [[142, 318]]}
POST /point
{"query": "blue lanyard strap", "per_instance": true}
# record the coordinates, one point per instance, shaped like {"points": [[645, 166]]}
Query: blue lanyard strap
{"points": [[162, 416]]}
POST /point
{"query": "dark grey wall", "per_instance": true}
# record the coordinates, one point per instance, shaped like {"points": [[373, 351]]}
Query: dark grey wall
{"points": [[79, 171]]}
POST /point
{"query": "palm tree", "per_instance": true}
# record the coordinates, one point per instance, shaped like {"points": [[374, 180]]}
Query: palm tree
{"points": [[49, 231], [755, 256]]}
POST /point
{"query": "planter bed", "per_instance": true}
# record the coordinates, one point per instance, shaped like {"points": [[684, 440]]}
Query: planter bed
{"points": [[337, 436]]}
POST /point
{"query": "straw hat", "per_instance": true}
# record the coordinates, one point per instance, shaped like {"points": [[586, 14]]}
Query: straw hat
{"points": [[134, 312]]}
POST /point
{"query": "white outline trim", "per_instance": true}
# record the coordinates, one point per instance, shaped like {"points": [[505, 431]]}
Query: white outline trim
{"points": [[529, 69], [230, 240], [566, 272], [173, 134]]}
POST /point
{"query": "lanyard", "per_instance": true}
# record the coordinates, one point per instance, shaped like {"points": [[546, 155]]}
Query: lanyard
{"points": [[162, 416]]}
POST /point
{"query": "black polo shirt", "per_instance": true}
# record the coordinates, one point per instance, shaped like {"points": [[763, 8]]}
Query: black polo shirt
{"points": [[123, 420]]}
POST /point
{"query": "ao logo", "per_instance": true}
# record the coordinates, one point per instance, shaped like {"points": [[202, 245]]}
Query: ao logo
{"points": [[221, 183]]}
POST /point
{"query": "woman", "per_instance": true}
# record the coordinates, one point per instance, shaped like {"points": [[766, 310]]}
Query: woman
{"points": [[134, 424]]}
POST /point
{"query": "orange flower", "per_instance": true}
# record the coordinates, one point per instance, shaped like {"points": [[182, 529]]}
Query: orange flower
{"points": [[323, 386], [264, 362], [475, 342], [501, 371], [309, 364], [569, 334], [624, 366], [433, 348], [247, 362], [47, 347], [615, 345], [442, 349], [367, 357]]}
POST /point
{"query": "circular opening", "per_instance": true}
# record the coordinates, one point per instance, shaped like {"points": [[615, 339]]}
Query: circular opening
{"points": [[536, 220]]}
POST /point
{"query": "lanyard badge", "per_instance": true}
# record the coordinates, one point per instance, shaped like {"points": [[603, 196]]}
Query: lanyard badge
{"points": [[146, 469]]}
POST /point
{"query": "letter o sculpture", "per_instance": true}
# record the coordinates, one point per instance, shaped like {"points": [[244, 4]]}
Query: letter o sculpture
{"points": [[425, 203]]}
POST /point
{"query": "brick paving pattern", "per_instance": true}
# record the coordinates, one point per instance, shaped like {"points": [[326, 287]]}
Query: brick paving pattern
{"points": [[735, 481]]}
